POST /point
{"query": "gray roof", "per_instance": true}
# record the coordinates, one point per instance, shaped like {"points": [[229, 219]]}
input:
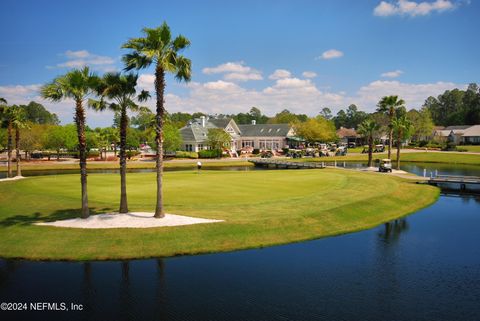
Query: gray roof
{"points": [[195, 131], [472, 131], [457, 127], [264, 130], [220, 122]]}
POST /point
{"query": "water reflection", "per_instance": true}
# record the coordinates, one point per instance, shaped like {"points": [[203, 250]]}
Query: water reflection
{"points": [[392, 230]]}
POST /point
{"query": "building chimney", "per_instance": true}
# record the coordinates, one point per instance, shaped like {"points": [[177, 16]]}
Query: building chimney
{"points": [[203, 120], [254, 122]]}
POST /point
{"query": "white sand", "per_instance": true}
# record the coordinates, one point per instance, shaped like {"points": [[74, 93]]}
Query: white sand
{"points": [[129, 220], [11, 178]]}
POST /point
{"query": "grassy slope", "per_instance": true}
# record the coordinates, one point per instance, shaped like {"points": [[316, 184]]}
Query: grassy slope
{"points": [[423, 157], [261, 208], [471, 148]]}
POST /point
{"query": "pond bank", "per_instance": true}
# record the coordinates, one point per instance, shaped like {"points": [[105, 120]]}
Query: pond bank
{"points": [[260, 208]]}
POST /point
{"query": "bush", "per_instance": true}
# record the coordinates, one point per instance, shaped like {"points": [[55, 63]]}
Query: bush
{"points": [[214, 153], [256, 151], [181, 154], [451, 146], [92, 154], [132, 153]]}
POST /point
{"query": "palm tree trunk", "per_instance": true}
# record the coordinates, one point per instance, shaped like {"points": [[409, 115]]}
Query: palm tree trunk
{"points": [[399, 144], [390, 138], [17, 147], [82, 149], [9, 150], [123, 161], [370, 150], [159, 88]]}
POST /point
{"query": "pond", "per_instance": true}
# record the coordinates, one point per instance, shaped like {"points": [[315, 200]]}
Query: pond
{"points": [[422, 267], [28, 173]]}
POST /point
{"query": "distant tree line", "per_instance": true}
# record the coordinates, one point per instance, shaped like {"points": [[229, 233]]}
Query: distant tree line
{"points": [[455, 107]]}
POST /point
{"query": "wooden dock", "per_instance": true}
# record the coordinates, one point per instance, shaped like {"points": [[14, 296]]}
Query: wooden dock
{"points": [[463, 181], [277, 163]]}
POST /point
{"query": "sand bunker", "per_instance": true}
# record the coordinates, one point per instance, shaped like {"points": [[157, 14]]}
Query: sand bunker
{"points": [[129, 220]]}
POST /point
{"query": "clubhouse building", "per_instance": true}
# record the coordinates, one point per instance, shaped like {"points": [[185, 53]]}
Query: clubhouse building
{"points": [[243, 137]]}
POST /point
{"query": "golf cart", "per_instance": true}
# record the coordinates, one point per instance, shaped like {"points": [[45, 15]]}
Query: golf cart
{"points": [[379, 148], [385, 165]]}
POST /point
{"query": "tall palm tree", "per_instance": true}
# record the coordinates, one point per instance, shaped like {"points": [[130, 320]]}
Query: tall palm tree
{"points": [[7, 116], [403, 129], [76, 84], [18, 122], [157, 47], [120, 89], [389, 105], [368, 129]]}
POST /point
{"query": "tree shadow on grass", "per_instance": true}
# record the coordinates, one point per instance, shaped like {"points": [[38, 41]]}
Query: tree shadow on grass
{"points": [[63, 214]]}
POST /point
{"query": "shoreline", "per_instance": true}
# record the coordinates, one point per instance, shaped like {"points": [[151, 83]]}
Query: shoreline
{"points": [[287, 223]]}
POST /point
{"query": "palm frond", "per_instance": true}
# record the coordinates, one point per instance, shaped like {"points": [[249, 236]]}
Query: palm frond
{"points": [[52, 92], [143, 96], [136, 60], [97, 105], [184, 69], [180, 43]]}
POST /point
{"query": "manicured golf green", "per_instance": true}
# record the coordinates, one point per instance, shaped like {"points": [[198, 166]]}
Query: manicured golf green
{"points": [[260, 208]]}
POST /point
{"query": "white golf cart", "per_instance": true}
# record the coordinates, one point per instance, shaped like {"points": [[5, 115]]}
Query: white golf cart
{"points": [[385, 165]]}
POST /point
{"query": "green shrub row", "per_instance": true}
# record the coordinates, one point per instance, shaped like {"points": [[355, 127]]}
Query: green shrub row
{"points": [[181, 154], [213, 153]]}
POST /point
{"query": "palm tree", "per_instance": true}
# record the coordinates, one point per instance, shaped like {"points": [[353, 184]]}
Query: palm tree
{"points": [[389, 105], [18, 122], [368, 129], [7, 117], [120, 89], [403, 129], [157, 47], [76, 84]]}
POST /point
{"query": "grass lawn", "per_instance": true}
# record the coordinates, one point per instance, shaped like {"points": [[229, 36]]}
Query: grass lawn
{"points": [[422, 157], [260, 208], [471, 148]]}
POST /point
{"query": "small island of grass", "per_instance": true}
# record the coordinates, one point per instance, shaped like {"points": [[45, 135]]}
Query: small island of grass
{"points": [[259, 208]]}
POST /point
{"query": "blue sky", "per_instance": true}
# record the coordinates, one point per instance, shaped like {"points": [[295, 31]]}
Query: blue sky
{"points": [[300, 55]]}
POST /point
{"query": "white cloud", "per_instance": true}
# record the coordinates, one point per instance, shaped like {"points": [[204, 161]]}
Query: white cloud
{"points": [[309, 74], [243, 77], [413, 94], [80, 58], [411, 8], [77, 54], [297, 95], [227, 67], [234, 71], [146, 82], [279, 74], [222, 86], [23, 94], [392, 74], [331, 54]]}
